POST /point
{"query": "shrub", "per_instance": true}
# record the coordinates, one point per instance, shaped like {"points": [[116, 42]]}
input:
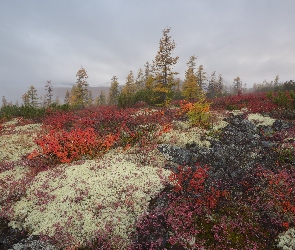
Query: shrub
{"points": [[63, 146], [198, 113], [254, 102], [22, 111], [285, 100]]}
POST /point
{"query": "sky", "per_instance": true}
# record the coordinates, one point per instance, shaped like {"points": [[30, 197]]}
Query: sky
{"points": [[50, 40]]}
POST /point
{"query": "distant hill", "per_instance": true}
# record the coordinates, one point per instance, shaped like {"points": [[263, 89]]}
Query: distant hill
{"points": [[61, 92]]}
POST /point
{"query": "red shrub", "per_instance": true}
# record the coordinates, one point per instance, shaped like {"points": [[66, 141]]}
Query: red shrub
{"points": [[67, 146], [254, 102]]}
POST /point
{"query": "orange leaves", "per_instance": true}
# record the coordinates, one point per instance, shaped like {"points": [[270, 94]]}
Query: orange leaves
{"points": [[198, 112], [185, 107], [34, 154], [286, 225], [67, 146], [110, 140], [199, 106], [90, 132], [287, 206], [165, 129]]}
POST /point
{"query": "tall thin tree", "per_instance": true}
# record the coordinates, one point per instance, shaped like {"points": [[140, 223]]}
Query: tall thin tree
{"points": [[237, 86], [31, 97], [80, 95], [163, 66], [114, 91], [201, 77], [191, 89], [49, 94]]}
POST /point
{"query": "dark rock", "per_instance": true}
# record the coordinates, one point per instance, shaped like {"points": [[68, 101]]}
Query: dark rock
{"points": [[232, 158], [267, 144], [289, 114], [8, 235], [278, 125], [33, 243], [15, 239], [266, 131], [240, 148], [173, 167], [176, 154]]}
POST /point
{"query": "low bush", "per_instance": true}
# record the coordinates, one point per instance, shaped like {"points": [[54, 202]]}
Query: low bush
{"points": [[197, 113]]}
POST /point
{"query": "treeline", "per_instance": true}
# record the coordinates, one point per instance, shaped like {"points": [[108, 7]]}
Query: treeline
{"points": [[275, 86], [157, 84]]}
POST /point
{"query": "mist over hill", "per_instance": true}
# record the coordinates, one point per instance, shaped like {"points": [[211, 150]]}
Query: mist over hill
{"points": [[59, 92]]}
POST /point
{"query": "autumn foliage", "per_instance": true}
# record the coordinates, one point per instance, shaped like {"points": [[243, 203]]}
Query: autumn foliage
{"points": [[198, 112], [254, 102], [91, 132], [195, 212]]}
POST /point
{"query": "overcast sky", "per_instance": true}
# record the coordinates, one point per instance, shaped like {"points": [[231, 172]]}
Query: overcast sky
{"points": [[50, 40]]}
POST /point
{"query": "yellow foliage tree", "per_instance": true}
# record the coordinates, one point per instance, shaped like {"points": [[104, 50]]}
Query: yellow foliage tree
{"points": [[31, 98], [191, 90], [237, 86], [113, 92], [129, 87], [101, 99], [80, 96], [162, 67]]}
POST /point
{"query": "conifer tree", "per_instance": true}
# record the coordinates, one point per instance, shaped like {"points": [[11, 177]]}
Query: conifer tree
{"points": [[80, 95], [101, 99], [25, 99], [4, 102], [255, 87], [201, 77], [129, 87], [139, 82], [191, 89], [90, 98], [244, 89], [212, 86], [114, 91], [67, 98], [237, 86], [276, 81], [147, 70], [74, 101], [48, 96], [149, 83], [57, 101], [220, 86], [162, 66], [42, 102], [31, 98], [177, 94]]}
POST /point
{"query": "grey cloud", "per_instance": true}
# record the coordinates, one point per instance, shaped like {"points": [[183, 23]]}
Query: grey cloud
{"points": [[44, 40]]}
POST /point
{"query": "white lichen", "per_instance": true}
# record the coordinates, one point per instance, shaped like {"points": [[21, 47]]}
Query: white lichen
{"points": [[260, 120], [83, 198], [238, 111], [181, 138], [286, 240], [219, 125], [19, 143]]}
